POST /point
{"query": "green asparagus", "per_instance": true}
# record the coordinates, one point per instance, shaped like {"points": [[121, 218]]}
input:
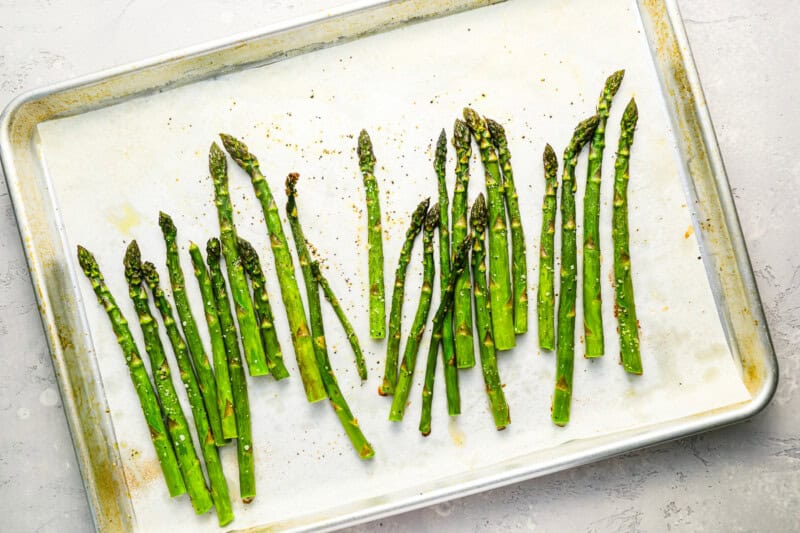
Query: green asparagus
{"points": [[395, 314], [224, 394], [138, 373], [592, 294], [519, 263], [338, 403], [205, 375], [216, 476], [500, 291], [623, 282], [460, 260], [241, 402], [284, 266], [245, 314], [483, 317], [377, 293], [546, 298], [565, 349], [176, 422], [462, 307], [418, 327], [448, 346], [361, 365], [266, 320]]}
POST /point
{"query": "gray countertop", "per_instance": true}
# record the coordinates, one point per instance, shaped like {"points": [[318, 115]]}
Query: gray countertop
{"points": [[744, 478]]}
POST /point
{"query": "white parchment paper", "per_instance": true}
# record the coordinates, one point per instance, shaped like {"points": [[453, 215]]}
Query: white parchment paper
{"points": [[537, 67]]}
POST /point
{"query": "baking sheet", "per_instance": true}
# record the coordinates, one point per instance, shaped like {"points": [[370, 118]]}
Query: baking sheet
{"points": [[112, 170]]}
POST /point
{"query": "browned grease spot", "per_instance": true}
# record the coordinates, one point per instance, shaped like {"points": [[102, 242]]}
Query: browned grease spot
{"points": [[143, 474], [689, 232], [456, 435]]}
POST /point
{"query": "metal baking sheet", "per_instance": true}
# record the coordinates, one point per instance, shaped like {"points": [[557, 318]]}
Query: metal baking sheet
{"points": [[93, 161]]}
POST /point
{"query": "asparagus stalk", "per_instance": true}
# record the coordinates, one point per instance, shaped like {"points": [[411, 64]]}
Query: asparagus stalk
{"points": [[266, 320], [377, 296], [224, 393], [395, 314], [448, 346], [205, 375], [418, 327], [462, 307], [483, 318], [241, 402], [565, 351], [284, 266], [546, 298], [460, 260], [519, 263], [592, 294], [338, 403], [176, 423], [361, 365], [499, 276], [623, 282], [245, 314], [216, 476], [138, 373]]}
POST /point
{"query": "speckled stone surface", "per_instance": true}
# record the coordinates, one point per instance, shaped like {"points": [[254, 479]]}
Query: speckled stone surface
{"points": [[744, 478]]}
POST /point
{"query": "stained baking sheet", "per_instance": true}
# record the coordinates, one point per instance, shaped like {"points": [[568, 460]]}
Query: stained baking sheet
{"points": [[535, 66]]}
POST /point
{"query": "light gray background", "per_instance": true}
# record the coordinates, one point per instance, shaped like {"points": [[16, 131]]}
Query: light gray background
{"points": [[745, 478]]}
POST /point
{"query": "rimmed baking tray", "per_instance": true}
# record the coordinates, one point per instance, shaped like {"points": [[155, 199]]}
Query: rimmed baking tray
{"points": [[93, 160]]}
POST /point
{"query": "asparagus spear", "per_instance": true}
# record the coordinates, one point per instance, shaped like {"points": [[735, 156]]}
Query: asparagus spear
{"points": [[224, 394], [483, 317], [377, 296], [245, 315], [565, 351], [361, 365], [519, 264], [216, 476], [395, 314], [418, 327], [266, 321], [546, 298], [284, 266], [448, 347], [460, 260], [623, 282], [241, 402], [499, 277], [176, 423], [338, 403], [138, 373], [462, 307], [592, 294], [205, 375]]}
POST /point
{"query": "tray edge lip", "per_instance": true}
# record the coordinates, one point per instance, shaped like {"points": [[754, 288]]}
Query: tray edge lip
{"points": [[731, 415]]}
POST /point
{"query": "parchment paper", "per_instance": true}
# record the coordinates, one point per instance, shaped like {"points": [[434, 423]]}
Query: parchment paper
{"points": [[537, 67]]}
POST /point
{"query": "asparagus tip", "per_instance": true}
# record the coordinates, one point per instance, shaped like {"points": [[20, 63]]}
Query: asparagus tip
{"points": [[150, 274], [584, 131], [472, 118], [213, 248], [631, 115], [291, 184], [550, 160], [441, 144], [478, 215], [460, 134], [432, 219], [217, 163], [87, 261], [366, 156], [238, 150], [133, 264], [614, 81], [166, 223], [496, 131], [249, 256]]}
